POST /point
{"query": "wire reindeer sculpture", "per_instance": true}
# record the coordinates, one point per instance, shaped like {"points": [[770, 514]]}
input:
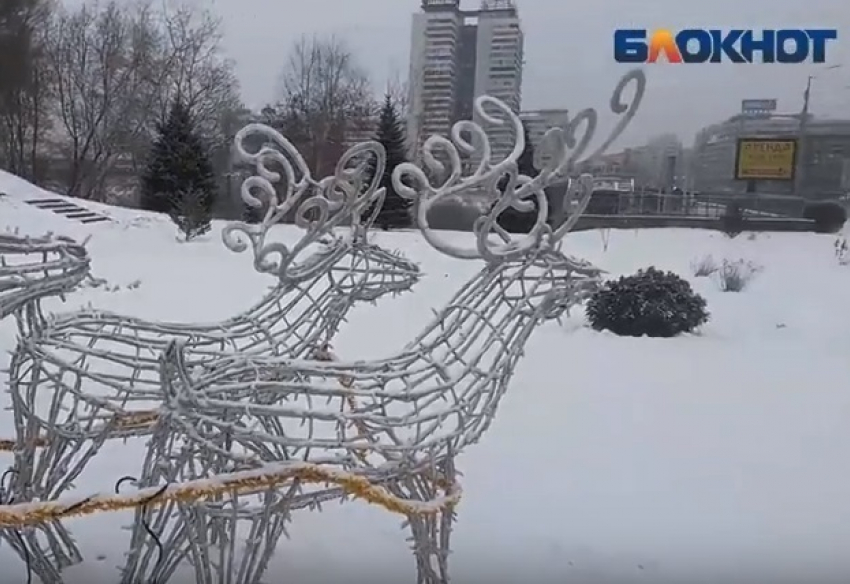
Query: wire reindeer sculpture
{"points": [[82, 378], [398, 422], [32, 269], [35, 268]]}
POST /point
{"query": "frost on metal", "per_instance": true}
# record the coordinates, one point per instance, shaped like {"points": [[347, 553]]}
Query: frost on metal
{"points": [[34, 268], [86, 377], [399, 421]]}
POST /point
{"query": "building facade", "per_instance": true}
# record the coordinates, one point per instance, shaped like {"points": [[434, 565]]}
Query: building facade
{"points": [[458, 55], [435, 39], [823, 148]]}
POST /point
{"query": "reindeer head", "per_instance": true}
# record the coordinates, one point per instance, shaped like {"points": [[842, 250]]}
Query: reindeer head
{"points": [[359, 269], [548, 280], [367, 271], [33, 268]]}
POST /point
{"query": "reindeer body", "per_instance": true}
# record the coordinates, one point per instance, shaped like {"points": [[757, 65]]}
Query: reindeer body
{"points": [[384, 420], [82, 378]]}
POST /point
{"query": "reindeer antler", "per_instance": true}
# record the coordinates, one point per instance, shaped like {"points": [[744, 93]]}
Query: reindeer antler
{"points": [[565, 147], [319, 206]]}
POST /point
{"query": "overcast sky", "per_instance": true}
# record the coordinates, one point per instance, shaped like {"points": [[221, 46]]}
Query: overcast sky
{"points": [[568, 49]]}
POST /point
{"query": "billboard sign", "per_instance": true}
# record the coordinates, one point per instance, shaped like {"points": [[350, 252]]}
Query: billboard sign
{"points": [[766, 159], [758, 108]]}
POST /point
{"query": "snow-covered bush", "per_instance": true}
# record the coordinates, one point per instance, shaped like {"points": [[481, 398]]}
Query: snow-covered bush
{"points": [[652, 303], [842, 251], [704, 266], [733, 276]]}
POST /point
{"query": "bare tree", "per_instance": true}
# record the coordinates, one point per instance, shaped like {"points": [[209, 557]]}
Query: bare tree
{"points": [[197, 72], [117, 69], [399, 91], [204, 80], [104, 77], [324, 95], [24, 86], [398, 88]]}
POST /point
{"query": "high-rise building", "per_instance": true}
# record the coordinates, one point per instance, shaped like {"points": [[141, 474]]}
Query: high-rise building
{"points": [[458, 55], [433, 68]]}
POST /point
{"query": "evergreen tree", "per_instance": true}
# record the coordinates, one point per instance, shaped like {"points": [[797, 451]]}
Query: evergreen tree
{"points": [[395, 212], [512, 220], [179, 179]]}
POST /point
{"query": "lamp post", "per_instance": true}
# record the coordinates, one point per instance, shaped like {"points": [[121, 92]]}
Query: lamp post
{"points": [[799, 174]]}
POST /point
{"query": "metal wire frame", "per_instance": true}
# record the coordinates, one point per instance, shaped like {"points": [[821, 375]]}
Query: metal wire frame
{"points": [[398, 421], [82, 378], [34, 268]]}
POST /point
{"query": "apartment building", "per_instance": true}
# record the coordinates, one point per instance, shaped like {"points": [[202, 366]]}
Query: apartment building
{"points": [[458, 55], [435, 37]]}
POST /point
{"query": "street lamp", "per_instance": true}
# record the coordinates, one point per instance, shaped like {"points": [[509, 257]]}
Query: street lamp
{"points": [[801, 131]]}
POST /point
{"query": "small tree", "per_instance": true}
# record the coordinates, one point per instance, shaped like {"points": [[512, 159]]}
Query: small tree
{"points": [[189, 212], [512, 220], [395, 212], [180, 168]]}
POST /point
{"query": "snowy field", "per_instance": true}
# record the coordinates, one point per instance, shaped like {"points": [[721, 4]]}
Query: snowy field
{"points": [[713, 458]]}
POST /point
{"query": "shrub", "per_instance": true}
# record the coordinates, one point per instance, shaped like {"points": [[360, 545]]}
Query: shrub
{"points": [[732, 222], [734, 276], [703, 267], [191, 213], [453, 216], [842, 251], [651, 303], [829, 217], [603, 202]]}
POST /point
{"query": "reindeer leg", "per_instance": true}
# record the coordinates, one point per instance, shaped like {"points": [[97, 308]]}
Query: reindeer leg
{"points": [[430, 534], [44, 559], [231, 544]]}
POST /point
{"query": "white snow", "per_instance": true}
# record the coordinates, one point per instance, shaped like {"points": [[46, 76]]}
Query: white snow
{"points": [[718, 457]]}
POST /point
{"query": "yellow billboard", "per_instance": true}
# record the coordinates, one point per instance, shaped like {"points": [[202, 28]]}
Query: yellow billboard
{"points": [[766, 159]]}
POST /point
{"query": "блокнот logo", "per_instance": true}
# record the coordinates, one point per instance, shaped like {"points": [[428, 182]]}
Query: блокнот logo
{"points": [[698, 45]]}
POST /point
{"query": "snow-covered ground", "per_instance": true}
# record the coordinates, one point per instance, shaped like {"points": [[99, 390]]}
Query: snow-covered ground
{"points": [[718, 458]]}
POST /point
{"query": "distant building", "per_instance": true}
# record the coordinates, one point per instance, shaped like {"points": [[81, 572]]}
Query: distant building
{"points": [[826, 155], [538, 122], [457, 56], [658, 164]]}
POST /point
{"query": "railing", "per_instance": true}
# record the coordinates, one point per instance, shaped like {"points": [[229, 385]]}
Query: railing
{"points": [[703, 205]]}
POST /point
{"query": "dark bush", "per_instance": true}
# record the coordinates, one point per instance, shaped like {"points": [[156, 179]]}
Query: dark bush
{"points": [[651, 303], [829, 217], [732, 222], [603, 202], [453, 216]]}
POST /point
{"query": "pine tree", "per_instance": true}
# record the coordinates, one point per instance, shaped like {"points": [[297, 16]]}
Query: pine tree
{"points": [[180, 168], [395, 212], [512, 220]]}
